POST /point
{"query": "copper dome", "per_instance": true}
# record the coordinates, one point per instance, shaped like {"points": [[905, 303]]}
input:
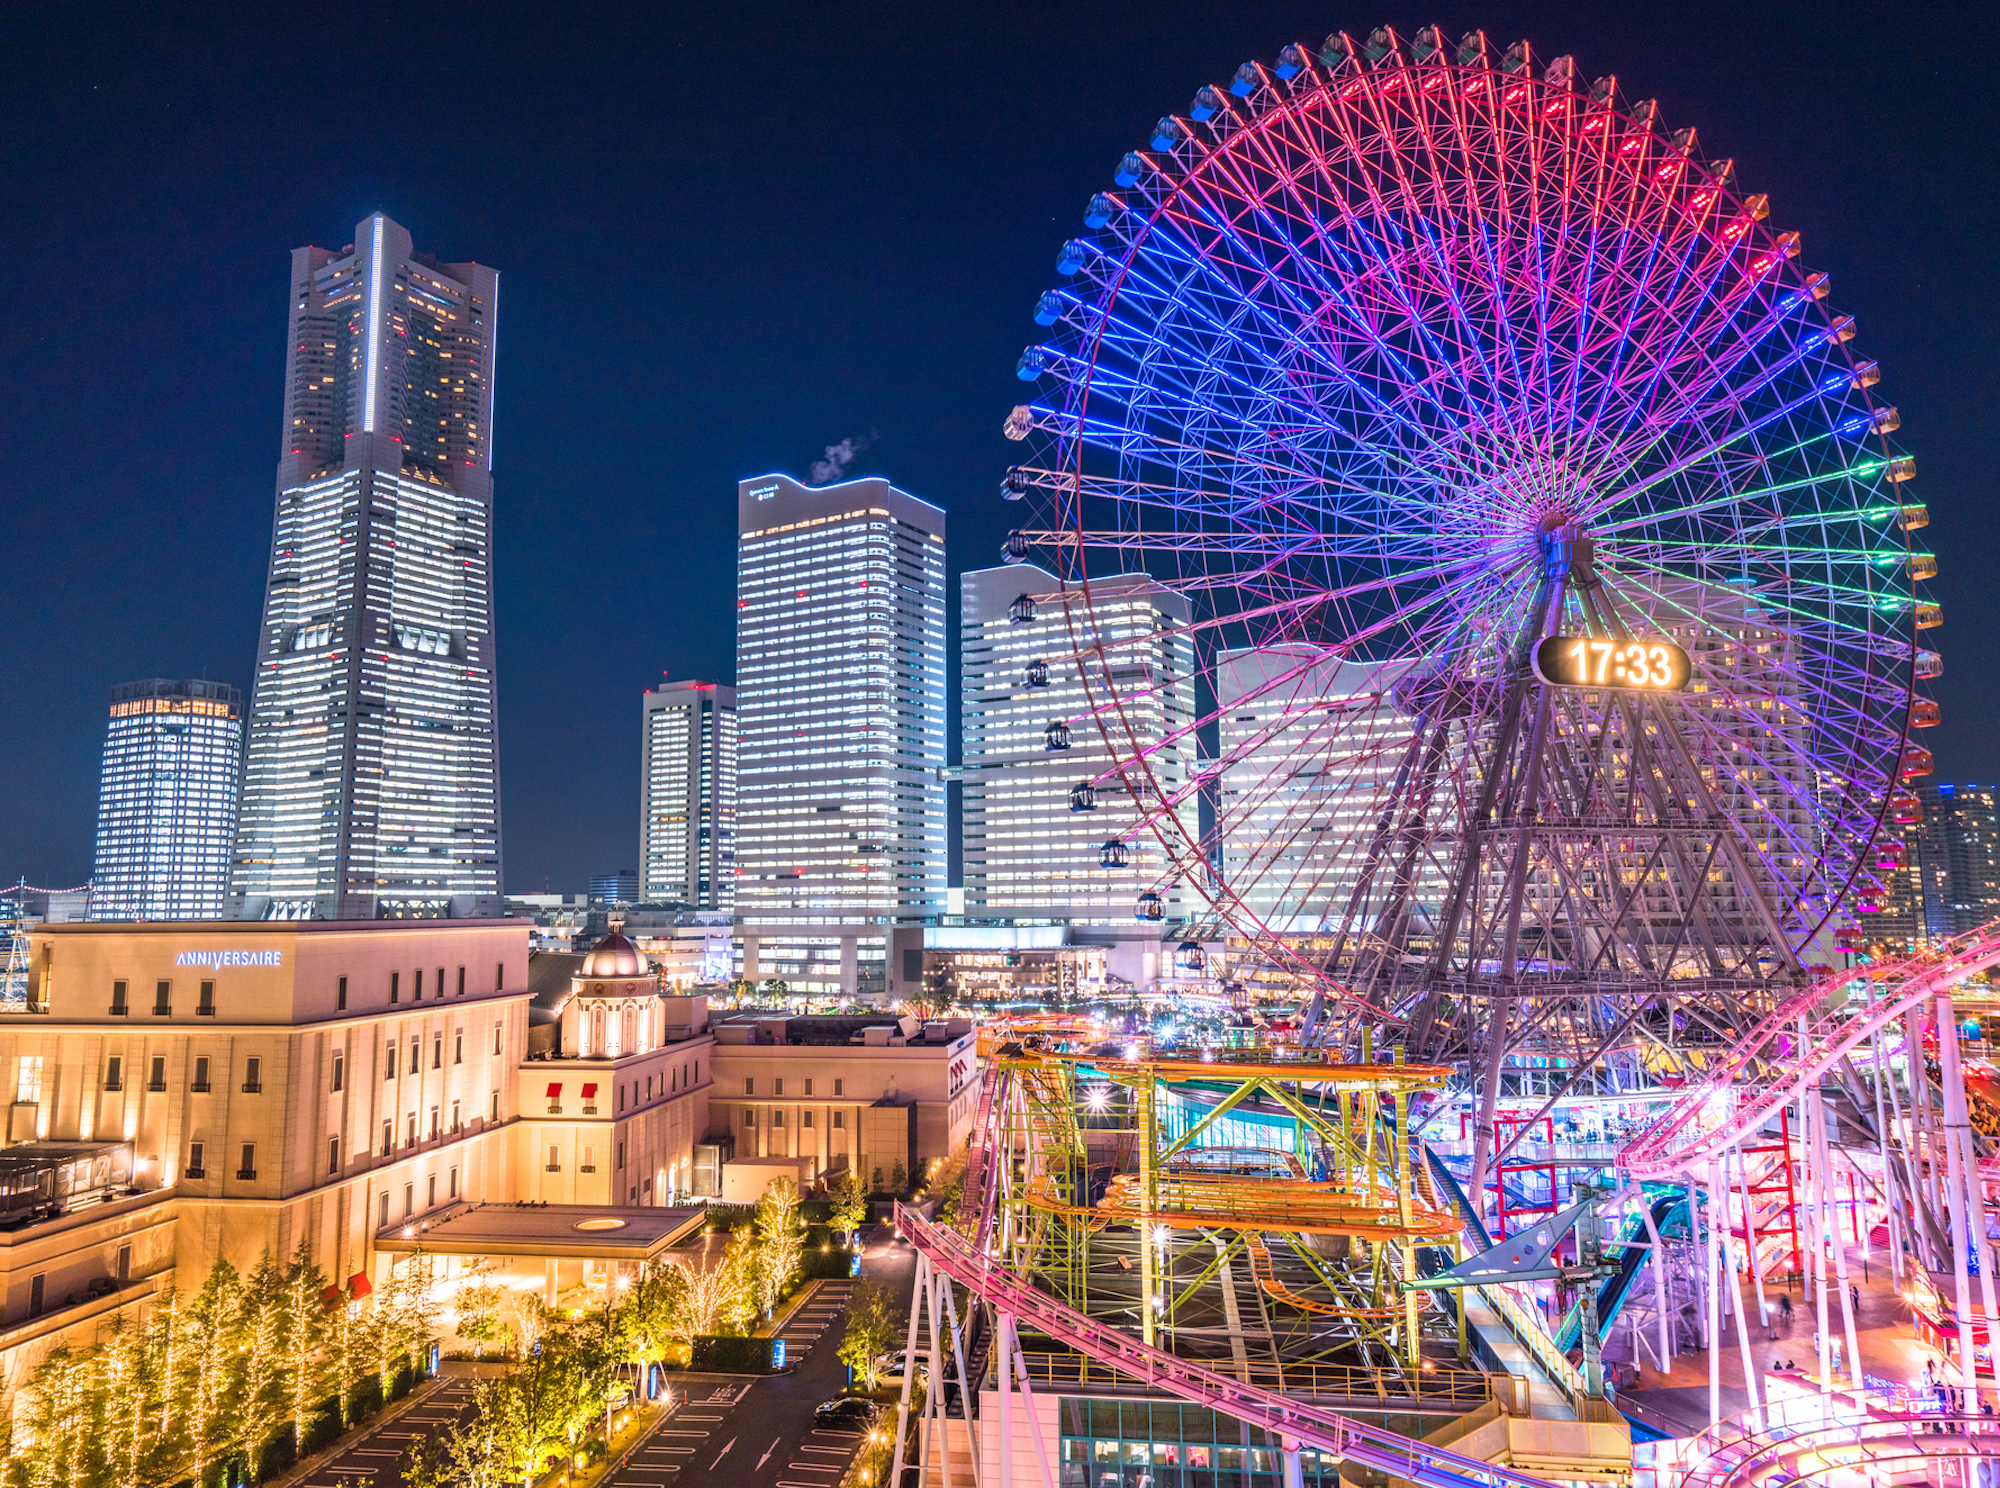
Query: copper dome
{"points": [[614, 956]]}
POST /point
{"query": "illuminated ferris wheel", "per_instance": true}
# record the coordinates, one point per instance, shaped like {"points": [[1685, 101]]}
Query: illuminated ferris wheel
{"points": [[1553, 600]]}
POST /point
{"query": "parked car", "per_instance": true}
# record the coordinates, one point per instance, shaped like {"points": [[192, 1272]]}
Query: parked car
{"points": [[893, 1365], [847, 1413]]}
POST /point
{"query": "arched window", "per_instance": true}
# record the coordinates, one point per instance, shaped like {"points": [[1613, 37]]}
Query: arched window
{"points": [[629, 1042], [597, 1033]]}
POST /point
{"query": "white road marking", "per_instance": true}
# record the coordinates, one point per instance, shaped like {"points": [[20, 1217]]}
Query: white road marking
{"points": [[768, 1451], [720, 1455]]}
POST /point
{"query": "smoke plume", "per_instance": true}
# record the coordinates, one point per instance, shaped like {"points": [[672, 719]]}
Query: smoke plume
{"points": [[839, 457]]}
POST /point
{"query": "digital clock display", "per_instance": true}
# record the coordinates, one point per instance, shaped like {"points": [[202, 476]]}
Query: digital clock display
{"points": [[1641, 663]]}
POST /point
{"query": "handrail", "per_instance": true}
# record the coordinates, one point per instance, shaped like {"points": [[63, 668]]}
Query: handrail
{"points": [[1654, 1153], [1284, 1416], [1317, 1380]]}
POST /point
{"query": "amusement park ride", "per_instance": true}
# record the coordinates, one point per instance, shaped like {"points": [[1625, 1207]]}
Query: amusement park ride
{"points": [[1553, 499]]}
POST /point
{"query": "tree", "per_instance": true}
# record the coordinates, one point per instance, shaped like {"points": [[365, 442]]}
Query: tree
{"points": [[302, 1342], [709, 1296], [57, 1424], [781, 1240], [470, 1454], [211, 1383], [132, 1452], [479, 1297], [872, 1325], [899, 1179], [875, 1185], [741, 987], [260, 1399], [740, 1291], [850, 1204], [777, 987]]}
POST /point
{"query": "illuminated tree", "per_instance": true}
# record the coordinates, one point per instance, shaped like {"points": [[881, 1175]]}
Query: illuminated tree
{"points": [[850, 1204], [781, 1240], [259, 1407], [302, 1352], [57, 1428], [209, 1385], [872, 1325], [479, 1297]]}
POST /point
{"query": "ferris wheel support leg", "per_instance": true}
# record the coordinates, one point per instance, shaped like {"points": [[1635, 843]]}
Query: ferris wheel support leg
{"points": [[1953, 1082], [1712, 1309], [1810, 1117], [1719, 1184], [1497, 1019], [1659, 1264], [1839, 1251]]}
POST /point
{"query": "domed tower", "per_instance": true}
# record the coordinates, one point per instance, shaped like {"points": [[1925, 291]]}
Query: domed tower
{"points": [[614, 1007]]}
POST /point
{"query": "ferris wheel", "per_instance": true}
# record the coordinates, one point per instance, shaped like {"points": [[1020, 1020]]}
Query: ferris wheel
{"points": [[1549, 569]]}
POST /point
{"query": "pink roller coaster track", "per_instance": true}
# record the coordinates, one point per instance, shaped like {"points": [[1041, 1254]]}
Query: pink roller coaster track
{"points": [[1399, 1456], [1678, 1142]]}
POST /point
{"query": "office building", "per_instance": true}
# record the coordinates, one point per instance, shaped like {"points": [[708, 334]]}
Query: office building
{"points": [[687, 795], [166, 801], [1309, 752], [1039, 666], [1940, 874], [867, 1093], [371, 788], [618, 887], [840, 824]]}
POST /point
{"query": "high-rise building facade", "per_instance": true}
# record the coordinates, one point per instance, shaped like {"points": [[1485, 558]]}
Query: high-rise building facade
{"points": [[841, 715], [166, 803], [1940, 873], [371, 788], [1309, 752], [1034, 663], [687, 795], [620, 886]]}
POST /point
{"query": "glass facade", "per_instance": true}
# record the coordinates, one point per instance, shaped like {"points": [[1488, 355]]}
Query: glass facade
{"points": [[1147, 1444], [687, 795], [1031, 688], [840, 704], [371, 785], [1310, 750], [166, 807]]}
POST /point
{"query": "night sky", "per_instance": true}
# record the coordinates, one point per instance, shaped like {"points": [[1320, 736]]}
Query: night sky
{"points": [[729, 237]]}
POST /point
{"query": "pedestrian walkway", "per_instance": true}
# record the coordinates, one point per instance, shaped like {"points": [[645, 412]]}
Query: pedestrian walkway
{"points": [[1883, 1326]]}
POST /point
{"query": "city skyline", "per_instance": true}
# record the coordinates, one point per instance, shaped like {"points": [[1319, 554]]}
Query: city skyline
{"points": [[624, 425]]}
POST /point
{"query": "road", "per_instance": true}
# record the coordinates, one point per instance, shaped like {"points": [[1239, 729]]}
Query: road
{"points": [[375, 1460], [764, 1437]]}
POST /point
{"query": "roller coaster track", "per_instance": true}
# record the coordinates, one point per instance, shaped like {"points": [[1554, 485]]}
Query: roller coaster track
{"points": [[1266, 1277], [1681, 1142], [1844, 1444], [1284, 1416]]}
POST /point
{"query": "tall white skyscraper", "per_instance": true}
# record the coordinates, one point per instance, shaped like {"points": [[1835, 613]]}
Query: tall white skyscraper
{"points": [[1309, 752], [1026, 650], [841, 717], [372, 787], [687, 795], [166, 804]]}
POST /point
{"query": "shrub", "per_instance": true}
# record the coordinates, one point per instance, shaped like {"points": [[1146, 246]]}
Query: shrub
{"points": [[733, 1355]]}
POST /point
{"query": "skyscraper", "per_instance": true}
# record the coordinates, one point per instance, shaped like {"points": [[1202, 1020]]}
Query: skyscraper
{"points": [[1310, 747], [166, 804], [1030, 738], [687, 795], [371, 788], [840, 712]]}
